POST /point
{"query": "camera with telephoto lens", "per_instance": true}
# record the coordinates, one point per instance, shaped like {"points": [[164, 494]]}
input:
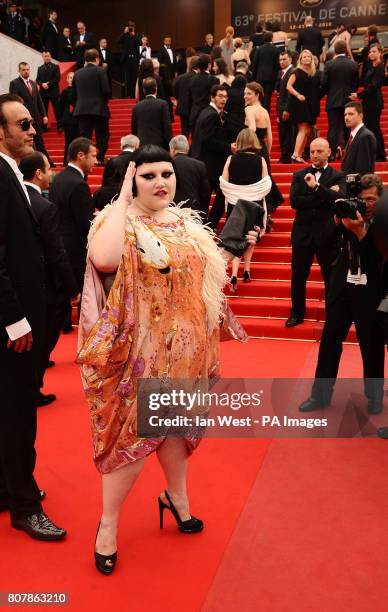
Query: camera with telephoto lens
{"points": [[347, 208]]}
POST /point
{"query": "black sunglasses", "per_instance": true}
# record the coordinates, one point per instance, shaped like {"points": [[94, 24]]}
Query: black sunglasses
{"points": [[25, 124]]}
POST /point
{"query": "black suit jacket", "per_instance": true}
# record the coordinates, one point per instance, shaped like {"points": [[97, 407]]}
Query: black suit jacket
{"points": [[91, 91], [49, 73], [65, 49], [314, 209], [340, 79], [181, 93], [32, 102], [281, 88], [71, 194], [129, 44], [50, 39], [265, 63], [79, 52], [360, 156], [193, 183], [310, 38], [371, 95], [126, 157], [164, 58], [16, 28], [59, 278], [110, 58], [210, 142], [199, 93], [66, 107], [21, 265], [151, 122]]}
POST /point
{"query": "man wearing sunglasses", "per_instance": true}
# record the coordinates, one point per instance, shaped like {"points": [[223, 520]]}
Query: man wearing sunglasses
{"points": [[22, 321], [27, 89]]}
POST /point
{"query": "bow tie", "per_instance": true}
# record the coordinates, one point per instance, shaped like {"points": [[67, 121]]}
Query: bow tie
{"points": [[316, 170]]}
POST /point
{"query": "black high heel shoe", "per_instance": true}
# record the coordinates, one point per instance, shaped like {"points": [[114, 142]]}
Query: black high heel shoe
{"points": [[246, 276], [192, 525], [233, 284], [104, 563]]}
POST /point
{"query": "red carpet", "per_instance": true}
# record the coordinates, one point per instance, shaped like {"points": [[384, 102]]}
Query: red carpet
{"points": [[284, 520]]}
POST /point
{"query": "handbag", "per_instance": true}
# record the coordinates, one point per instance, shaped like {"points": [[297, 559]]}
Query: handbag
{"points": [[243, 218]]}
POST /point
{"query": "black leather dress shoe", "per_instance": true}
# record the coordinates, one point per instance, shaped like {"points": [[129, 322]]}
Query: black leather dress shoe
{"points": [[4, 504], [293, 320], [382, 432], [39, 527], [44, 400], [311, 404], [374, 406]]}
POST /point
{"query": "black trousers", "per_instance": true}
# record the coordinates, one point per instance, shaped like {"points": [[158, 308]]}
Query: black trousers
{"points": [[268, 87], [55, 315], [302, 259], [55, 105], [131, 70], [337, 133], [218, 207], [286, 139], [71, 132], [18, 488], [372, 122], [185, 125], [354, 305], [88, 123]]}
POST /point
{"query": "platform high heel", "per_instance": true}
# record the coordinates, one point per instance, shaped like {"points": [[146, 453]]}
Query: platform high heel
{"points": [[246, 276], [192, 525], [233, 284], [104, 563]]}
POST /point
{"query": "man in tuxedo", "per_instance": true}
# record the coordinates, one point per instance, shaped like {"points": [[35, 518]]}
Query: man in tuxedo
{"points": [[340, 79], [209, 44], [106, 60], [181, 94], [83, 41], [65, 46], [130, 42], [360, 151], [71, 194], [60, 283], [22, 316], [285, 126], [353, 297], [192, 180], [199, 89], [151, 120], [129, 145], [266, 67], [50, 35], [90, 96], [16, 26], [167, 56], [48, 77], [313, 193], [27, 89], [310, 38], [211, 145]]}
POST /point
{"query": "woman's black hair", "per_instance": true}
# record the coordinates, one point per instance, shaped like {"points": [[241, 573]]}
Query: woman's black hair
{"points": [[114, 172], [150, 154], [239, 82], [146, 69]]}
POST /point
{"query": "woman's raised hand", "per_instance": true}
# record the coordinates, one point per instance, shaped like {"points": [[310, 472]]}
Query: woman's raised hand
{"points": [[126, 192]]}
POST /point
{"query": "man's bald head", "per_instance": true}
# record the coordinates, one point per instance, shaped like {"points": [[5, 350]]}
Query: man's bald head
{"points": [[320, 152]]}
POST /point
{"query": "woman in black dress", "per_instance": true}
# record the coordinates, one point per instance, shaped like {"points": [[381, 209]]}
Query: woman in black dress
{"points": [[235, 107], [302, 100], [112, 179], [372, 98], [68, 121], [146, 70]]}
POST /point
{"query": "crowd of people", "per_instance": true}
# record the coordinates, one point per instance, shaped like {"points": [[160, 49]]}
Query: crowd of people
{"points": [[152, 275]]}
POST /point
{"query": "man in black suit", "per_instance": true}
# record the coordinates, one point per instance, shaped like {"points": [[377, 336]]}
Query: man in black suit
{"points": [[340, 79], [90, 96], [59, 279], [181, 93], [22, 315], [192, 180], [211, 145], [82, 41], [27, 89], [16, 26], [71, 194], [285, 126], [310, 38], [360, 151], [65, 46], [50, 35], [199, 89], [266, 67], [167, 56], [151, 120], [48, 77], [130, 43], [313, 193], [209, 44], [106, 60], [353, 297], [129, 145]]}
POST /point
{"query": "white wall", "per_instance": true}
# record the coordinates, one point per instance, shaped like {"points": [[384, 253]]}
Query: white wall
{"points": [[12, 52]]}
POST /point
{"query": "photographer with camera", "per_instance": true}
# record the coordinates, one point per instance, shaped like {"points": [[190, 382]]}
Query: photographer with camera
{"points": [[354, 296], [360, 151], [313, 192], [130, 43]]}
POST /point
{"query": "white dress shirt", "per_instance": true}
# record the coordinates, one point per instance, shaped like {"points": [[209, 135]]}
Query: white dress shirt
{"points": [[170, 54], [356, 130], [22, 327], [36, 187], [103, 53]]}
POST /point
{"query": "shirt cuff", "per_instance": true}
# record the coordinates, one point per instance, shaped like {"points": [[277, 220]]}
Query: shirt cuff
{"points": [[18, 329]]}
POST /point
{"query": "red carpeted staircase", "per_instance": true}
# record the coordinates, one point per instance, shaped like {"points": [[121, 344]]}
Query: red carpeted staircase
{"points": [[264, 304]]}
